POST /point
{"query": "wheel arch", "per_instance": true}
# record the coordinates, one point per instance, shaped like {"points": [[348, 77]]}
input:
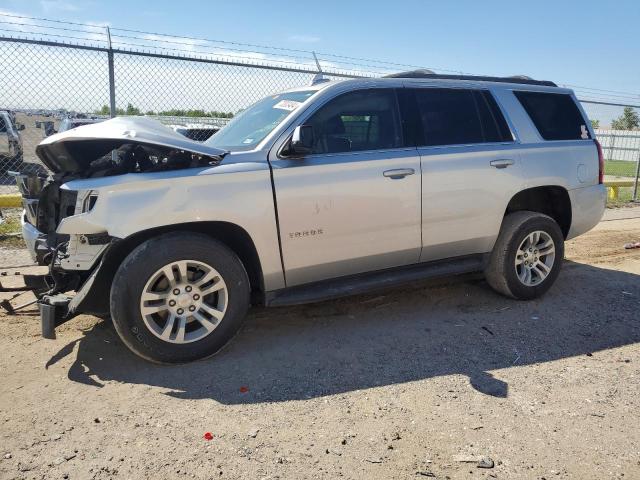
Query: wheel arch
{"points": [[551, 200], [96, 297]]}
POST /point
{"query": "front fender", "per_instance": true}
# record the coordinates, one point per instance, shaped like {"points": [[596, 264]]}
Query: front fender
{"points": [[238, 194]]}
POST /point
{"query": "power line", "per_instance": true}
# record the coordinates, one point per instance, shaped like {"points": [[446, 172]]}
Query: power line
{"points": [[601, 90], [307, 54]]}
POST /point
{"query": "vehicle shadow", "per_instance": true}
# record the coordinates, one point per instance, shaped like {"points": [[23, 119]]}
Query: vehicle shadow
{"points": [[427, 330]]}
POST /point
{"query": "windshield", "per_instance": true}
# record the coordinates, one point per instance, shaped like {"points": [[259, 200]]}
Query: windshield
{"points": [[250, 126]]}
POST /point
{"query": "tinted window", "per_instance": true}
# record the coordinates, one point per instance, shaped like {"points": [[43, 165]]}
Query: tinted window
{"points": [[555, 115], [458, 116], [3, 127], [356, 121], [493, 123]]}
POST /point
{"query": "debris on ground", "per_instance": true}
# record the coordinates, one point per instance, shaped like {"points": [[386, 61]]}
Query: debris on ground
{"points": [[481, 462], [485, 462]]}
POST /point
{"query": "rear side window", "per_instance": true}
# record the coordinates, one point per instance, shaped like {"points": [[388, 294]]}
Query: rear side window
{"points": [[459, 116], [493, 122], [555, 115]]}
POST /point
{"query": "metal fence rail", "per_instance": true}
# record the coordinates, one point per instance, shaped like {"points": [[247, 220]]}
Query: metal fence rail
{"points": [[48, 84]]}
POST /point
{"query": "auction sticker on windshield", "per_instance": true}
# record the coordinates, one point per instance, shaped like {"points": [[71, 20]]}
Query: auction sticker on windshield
{"points": [[288, 105]]}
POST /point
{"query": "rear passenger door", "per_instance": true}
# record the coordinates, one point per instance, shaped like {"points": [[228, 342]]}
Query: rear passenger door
{"points": [[469, 168]]}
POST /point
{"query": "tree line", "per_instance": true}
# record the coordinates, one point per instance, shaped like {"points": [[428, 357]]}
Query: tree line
{"points": [[174, 112], [629, 120]]}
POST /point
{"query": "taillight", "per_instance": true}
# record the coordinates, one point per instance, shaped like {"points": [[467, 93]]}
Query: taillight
{"points": [[600, 162]]}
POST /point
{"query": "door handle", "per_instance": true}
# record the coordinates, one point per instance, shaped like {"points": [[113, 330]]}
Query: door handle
{"points": [[502, 163], [398, 173]]}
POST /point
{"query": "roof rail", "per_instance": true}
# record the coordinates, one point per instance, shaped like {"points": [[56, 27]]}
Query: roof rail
{"points": [[478, 78]]}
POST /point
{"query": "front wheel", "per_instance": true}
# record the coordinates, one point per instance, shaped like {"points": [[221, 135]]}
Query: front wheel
{"points": [[179, 297], [527, 256]]}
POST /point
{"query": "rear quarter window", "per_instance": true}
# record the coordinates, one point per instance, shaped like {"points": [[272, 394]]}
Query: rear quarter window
{"points": [[555, 115]]}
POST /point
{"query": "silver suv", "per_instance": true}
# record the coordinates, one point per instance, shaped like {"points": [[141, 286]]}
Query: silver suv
{"points": [[315, 193]]}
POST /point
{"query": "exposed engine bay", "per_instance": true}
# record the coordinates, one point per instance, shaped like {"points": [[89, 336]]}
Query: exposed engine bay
{"points": [[119, 146]]}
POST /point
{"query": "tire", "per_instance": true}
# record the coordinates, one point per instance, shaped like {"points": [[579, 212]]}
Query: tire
{"points": [[520, 229], [143, 273]]}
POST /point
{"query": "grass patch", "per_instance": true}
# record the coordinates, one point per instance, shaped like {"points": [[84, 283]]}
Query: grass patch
{"points": [[623, 200], [13, 241], [10, 231], [620, 168], [10, 226]]}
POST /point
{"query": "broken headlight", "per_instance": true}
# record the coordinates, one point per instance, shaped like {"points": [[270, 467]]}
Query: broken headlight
{"points": [[86, 201]]}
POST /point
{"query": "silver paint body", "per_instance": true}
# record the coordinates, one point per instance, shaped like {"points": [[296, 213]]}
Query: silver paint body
{"points": [[341, 214]]}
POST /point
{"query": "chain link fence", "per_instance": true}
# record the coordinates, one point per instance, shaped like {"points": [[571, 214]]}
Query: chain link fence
{"points": [[616, 127], [48, 86]]}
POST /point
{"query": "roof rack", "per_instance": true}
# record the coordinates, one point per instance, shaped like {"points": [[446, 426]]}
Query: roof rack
{"points": [[478, 78]]}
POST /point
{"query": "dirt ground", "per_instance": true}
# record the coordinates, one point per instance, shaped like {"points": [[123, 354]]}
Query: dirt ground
{"points": [[412, 383]]}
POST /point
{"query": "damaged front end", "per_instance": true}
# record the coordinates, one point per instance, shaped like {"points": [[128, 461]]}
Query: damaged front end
{"points": [[119, 146]]}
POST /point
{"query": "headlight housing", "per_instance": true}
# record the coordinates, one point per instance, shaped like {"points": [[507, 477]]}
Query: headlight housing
{"points": [[86, 201]]}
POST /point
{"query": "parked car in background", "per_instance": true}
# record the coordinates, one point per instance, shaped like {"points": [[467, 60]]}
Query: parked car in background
{"points": [[66, 123], [199, 132], [322, 191], [69, 123], [10, 142]]}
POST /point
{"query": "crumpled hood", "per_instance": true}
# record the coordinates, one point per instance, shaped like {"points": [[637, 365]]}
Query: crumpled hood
{"points": [[73, 151]]}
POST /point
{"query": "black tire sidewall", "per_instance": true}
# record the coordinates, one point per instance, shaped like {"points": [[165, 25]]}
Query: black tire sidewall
{"points": [[143, 262], [517, 288]]}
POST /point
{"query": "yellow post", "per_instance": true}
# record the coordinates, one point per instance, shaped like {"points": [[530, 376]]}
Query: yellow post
{"points": [[10, 201]]}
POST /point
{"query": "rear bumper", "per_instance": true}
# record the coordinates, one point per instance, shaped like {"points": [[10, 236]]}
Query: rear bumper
{"points": [[587, 208]]}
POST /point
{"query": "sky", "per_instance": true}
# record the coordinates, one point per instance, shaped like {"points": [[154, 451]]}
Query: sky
{"points": [[580, 43]]}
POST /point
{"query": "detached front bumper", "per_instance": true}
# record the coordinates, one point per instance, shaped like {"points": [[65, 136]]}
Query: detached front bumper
{"points": [[54, 311]]}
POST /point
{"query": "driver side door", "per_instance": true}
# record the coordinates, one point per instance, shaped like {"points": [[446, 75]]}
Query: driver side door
{"points": [[353, 204]]}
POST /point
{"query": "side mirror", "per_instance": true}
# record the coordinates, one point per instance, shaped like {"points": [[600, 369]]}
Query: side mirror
{"points": [[302, 140], [20, 126]]}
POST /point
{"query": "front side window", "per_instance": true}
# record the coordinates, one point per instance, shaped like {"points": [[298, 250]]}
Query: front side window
{"points": [[252, 125], [555, 115], [451, 116], [357, 121]]}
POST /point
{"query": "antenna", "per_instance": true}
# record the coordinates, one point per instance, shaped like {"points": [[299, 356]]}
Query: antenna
{"points": [[318, 77]]}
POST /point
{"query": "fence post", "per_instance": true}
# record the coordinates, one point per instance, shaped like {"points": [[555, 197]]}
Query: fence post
{"points": [[112, 80], [635, 185], [611, 145]]}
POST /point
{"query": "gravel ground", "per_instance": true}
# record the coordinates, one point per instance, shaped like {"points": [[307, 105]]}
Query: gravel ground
{"points": [[417, 382]]}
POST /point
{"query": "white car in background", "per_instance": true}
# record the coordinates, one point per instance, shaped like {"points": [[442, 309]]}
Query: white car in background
{"points": [[200, 132]]}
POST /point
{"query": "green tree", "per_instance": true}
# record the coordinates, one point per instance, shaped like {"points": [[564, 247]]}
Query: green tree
{"points": [[105, 110], [131, 110], [595, 124], [627, 121]]}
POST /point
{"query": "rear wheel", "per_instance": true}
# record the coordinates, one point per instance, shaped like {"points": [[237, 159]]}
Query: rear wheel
{"points": [[179, 297], [527, 256]]}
